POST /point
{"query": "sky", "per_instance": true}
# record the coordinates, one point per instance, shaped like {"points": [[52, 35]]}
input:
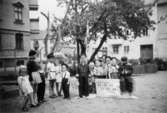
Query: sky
{"points": [[51, 7]]}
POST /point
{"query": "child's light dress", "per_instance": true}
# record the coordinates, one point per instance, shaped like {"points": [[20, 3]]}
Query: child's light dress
{"points": [[24, 84]]}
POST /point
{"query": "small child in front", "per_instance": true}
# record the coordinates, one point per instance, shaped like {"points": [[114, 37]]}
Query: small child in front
{"points": [[25, 88], [65, 82]]}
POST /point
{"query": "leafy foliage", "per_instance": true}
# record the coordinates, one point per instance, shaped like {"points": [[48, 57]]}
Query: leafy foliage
{"points": [[112, 18]]}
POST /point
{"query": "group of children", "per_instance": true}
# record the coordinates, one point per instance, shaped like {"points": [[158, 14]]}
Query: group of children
{"points": [[58, 76], [31, 80], [110, 69]]}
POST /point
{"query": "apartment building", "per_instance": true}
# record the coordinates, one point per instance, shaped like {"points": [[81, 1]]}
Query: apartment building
{"points": [[17, 27]]}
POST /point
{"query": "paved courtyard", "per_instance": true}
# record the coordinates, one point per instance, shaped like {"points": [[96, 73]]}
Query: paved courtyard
{"points": [[151, 90]]}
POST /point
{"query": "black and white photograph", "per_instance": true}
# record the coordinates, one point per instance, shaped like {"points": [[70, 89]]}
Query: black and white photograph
{"points": [[83, 56]]}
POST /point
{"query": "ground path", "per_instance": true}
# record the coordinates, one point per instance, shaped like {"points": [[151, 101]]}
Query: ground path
{"points": [[151, 90]]}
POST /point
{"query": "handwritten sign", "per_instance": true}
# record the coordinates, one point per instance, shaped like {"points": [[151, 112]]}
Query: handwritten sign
{"points": [[107, 87], [104, 87]]}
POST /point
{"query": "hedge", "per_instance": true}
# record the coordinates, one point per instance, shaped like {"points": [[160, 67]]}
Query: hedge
{"points": [[145, 68]]}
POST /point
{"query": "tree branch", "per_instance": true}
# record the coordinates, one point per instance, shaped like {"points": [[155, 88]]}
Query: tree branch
{"points": [[98, 48]]}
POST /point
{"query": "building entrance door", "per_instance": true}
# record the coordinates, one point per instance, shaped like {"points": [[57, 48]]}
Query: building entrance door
{"points": [[146, 51]]}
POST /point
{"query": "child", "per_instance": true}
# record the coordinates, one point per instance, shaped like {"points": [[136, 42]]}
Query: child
{"points": [[58, 77], [126, 81], [92, 85], [41, 86], [98, 70], [65, 82], [114, 69], [51, 74], [25, 88]]}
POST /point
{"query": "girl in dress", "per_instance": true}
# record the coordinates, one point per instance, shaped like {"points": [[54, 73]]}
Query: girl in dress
{"points": [[58, 77], [114, 69], [92, 84], [25, 88]]}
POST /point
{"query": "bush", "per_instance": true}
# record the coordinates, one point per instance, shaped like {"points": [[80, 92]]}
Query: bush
{"points": [[161, 63], [134, 61], [145, 68]]}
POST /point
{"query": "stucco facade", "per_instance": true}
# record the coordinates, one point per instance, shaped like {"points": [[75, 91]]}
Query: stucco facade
{"points": [[15, 31]]}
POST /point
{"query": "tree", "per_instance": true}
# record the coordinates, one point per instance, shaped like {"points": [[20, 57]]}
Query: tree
{"points": [[111, 18]]}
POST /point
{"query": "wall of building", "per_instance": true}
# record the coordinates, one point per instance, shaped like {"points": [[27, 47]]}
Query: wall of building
{"points": [[162, 30], [8, 17], [9, 55]]}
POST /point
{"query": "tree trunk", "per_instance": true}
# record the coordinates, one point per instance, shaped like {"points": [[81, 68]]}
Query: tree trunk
{"points": [[83, 47], [98, 48], [57, 40], [46, 44], [78, 59]]}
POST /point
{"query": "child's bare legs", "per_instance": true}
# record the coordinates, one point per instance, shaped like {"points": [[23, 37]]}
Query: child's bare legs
{"points": [[35, 86], [58, 88], [31, 96], [52, 85], [25, 103]]}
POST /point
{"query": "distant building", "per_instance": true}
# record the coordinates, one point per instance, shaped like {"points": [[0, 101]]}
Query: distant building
{"points": [[152, 43], [16, 29]]}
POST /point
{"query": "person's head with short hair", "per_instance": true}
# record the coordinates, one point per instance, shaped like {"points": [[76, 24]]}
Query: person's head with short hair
{"points": [[124, 60], [83, 59], [64, 67], [91, 65], [50, 57], [108, 60], [114, 61], [32, 54], [22, 70]]}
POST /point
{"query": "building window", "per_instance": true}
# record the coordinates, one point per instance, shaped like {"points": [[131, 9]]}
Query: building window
{"points": [[19, 41], [20, 62], [116, 49], [1, 64], [9, 63], [126, 49], [145, 31], [18, 13], [0, 42]]}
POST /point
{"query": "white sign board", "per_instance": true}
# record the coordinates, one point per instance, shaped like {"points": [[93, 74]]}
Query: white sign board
{"points": [[104, 87], [107, 87]]}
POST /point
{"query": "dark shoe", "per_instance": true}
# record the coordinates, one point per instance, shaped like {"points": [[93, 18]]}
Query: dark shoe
{"points": [[33, 106], [38, 104], [81, 96], [44, 100], [53, 96], [25, 109]]}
